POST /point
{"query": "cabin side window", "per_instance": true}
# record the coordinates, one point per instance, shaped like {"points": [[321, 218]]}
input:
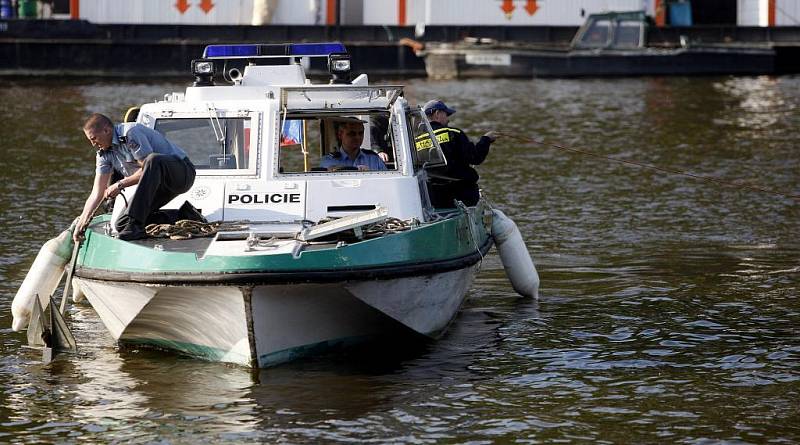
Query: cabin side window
{"points": [[212, 143], [628, 34], [329, 143]]}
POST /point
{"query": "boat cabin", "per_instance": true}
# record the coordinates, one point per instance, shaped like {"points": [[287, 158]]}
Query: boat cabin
{"points": [[260, 137], [612, 30]]}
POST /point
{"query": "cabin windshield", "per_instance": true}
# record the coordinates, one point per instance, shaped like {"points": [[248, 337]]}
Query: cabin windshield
{"points": [[619, 30], [330, 142], [211, 143], [597, 34]]}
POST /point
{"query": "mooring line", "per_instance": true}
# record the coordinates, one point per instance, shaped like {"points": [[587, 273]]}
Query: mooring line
{"points": [[711, 179]]}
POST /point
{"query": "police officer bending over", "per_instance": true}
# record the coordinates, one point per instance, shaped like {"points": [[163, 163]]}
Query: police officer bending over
{"points": [[350, 135], [458, 180], [143, 156]]}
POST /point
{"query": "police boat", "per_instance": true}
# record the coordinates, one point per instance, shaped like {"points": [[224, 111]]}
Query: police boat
{"points": [[301, 257]]}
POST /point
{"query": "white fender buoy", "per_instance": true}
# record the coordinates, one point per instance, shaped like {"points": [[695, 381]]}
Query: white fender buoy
{"points": [[77, 292], [42, 278], [514, 255]]}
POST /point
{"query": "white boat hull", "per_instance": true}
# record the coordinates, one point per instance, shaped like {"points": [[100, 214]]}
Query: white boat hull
{"points": [[265, 325]]}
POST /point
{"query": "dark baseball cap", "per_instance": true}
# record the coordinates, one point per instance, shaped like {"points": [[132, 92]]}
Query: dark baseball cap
{"points": [[436, 104]]}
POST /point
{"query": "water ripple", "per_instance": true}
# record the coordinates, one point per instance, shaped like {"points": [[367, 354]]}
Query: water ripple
{"points": [[668, 309]]}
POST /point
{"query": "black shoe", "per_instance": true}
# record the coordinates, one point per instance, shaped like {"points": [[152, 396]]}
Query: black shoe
{"points": [[187, 211], [132, 231]]}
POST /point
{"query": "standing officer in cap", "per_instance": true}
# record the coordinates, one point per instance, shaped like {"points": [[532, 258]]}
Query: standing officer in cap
{"points": [[143, 156], [458, 180]]}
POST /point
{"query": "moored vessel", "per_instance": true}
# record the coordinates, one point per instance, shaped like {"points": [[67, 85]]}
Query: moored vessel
{"points": [[608, 44]]}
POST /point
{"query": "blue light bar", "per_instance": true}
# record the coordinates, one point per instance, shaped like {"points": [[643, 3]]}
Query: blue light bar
{"points": [[212, 51], [248, 51], [316, 49]]}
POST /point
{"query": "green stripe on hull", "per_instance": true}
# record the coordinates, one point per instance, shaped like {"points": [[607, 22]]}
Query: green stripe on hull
{"points": [[198, 351], [272, 359], [291, 354], [449, 238]]}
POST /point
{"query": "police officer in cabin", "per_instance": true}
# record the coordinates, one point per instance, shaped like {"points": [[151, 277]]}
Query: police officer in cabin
{"points": [[142, 156], [457, 180], [350, 135]]}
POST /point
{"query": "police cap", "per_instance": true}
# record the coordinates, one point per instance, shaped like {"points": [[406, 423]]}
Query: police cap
{"points": [[436, 104]]}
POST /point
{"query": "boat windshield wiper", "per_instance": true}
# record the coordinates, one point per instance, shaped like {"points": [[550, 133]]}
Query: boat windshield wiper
{"points": [[216, 125]]}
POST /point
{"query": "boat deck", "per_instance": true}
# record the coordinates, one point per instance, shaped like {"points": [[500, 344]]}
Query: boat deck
{"points": [[258, 238]]}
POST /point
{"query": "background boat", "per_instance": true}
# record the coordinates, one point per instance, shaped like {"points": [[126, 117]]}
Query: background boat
{"points": [[608, 44]]}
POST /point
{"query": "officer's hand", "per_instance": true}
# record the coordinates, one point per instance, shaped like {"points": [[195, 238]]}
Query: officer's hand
{"points": [[384, 157], [112, 191], [78, 233], [492, 135]]}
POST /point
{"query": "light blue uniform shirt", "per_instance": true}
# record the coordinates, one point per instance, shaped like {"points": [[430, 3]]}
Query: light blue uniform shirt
{"points": [[365, 157], [133, 142]]}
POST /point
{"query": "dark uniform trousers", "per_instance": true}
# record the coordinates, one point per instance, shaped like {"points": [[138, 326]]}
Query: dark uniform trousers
{"points": [[442, 194], [163, 178]]}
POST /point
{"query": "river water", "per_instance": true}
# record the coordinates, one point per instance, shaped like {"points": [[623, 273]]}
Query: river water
{"points": [[669, 306]]}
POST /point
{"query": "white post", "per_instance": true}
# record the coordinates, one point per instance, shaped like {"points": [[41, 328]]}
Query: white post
{"points": [[263, 11], [763, 12]]}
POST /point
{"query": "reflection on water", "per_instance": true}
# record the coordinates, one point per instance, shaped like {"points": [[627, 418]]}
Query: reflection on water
{"points": [[668, 308]]}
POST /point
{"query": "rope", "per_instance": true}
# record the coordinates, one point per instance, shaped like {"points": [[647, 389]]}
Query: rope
{"points": [[183, 229], [386, 227], [375, 230], [712, 179], [187, 229]]}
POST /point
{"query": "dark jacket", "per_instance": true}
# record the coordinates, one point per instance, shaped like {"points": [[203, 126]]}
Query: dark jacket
{"points": [[457, 180]]}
